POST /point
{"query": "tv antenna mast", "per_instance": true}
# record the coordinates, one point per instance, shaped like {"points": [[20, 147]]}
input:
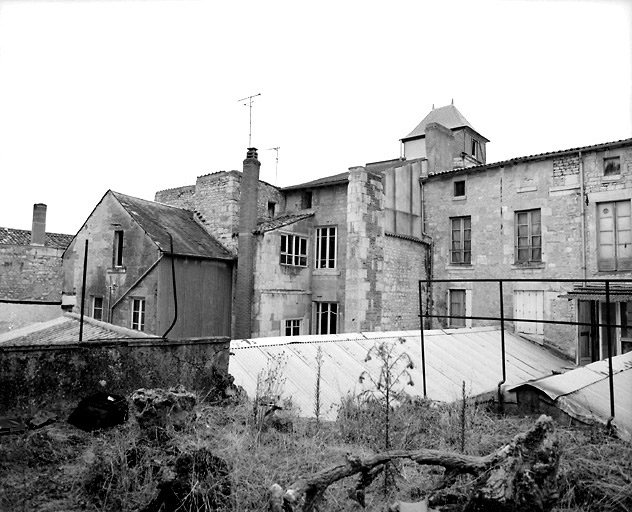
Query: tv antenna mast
{"points": [[276, 169], [249, 105]]}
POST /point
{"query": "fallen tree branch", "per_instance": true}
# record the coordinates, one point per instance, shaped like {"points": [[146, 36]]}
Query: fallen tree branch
{"points": [[529, 459]]}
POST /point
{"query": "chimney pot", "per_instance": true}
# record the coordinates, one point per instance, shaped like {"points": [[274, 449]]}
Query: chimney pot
{"points": [[252, 153], [38, 230]]}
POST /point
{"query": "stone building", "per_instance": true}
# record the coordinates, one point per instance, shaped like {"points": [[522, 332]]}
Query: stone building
{"points": [[30, 273], [338, 254], [149, 267], [558, 215]]}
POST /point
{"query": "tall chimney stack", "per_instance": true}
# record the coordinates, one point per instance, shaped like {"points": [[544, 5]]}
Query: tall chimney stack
{"points": [[248, 206], [38, 231]]}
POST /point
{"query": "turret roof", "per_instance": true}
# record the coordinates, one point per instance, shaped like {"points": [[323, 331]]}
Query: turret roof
{"points": [[448, 116]]}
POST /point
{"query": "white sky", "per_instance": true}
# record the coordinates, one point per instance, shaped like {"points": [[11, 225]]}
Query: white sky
{"points": [[142, 95]]}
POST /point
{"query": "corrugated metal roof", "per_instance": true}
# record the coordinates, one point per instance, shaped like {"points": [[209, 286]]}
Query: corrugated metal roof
{"points": [[539, 156], [64, 330], [279, 222], [10, 236], [452, 356], [336, 179], [158, 220], [584, 393], [448, 116]]}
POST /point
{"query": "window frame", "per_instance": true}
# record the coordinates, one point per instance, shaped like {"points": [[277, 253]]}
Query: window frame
{"points": [[139, 324], [331, 312], [619, 262], [295, 253], [457, 323], [531, 246], [117, 248], [455, 191], [94, 307], [465, 239], [606, 167], [324, 241], [294, 326]]}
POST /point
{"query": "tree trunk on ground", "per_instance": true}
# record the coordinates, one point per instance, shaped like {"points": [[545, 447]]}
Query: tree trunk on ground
{"points": [[520, 476]]}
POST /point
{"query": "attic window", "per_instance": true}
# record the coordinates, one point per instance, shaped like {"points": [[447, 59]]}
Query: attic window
{"points": [[611, 166], [271, 207], [117, 253], [459, 188]]}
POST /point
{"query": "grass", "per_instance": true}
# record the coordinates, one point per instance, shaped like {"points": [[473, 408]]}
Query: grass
{"points": [[62, 468]]}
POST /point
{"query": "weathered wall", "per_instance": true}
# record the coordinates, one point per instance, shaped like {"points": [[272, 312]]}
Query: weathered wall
{"points": [[104, 280], [38, 376], [328, 285], [29, 272], [492, 198], [182, 197], [405, 263], [364, 279], [282, 292]]}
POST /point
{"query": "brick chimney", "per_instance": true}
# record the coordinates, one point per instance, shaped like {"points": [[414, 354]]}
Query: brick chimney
{"points": [[38, 231], [244, 286]]}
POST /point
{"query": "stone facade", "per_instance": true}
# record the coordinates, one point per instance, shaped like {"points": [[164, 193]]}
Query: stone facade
{"points": [[567, 209]]}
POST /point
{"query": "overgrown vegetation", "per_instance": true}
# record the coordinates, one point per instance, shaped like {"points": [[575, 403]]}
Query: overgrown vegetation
{"points": [[61, 468]]}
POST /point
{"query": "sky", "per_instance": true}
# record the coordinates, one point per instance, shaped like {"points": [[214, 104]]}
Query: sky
{"points": [[138, 96]]}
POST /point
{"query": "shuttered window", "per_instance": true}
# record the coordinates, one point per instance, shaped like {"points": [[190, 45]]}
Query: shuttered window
{"points": [[614, 236]]}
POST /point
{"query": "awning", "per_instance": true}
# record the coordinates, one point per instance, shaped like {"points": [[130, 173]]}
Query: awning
{"points": [[618, 293]]}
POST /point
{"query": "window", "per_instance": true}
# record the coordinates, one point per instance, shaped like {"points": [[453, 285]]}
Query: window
{"points": [[138, 314], [475, 148], [326, 318], [457, 308], [271, 208], [326, 247], [459, 188], [626, 329], [614, 236], [461, 242], [97, 308], [117, 254], [528, 248], [306, 200], [294, 250], [292, 327], [611, 166]]}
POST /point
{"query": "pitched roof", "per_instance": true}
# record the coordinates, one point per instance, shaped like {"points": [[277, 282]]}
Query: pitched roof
{"points": [[584, 393], [64, 330], [538, 156], [10, 236], [279, 222], [159, 220], [336, 179], [448, 116], [452, 356]]}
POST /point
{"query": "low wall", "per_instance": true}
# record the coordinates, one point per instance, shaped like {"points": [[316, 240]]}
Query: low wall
{"points": [[43, 376]]}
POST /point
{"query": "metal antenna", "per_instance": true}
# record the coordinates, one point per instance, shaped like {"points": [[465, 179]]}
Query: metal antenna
{"points": [[249, 104], [276, 169]]}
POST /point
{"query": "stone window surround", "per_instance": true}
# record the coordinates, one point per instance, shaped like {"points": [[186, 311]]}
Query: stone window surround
{"points": [[138, 306]]}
